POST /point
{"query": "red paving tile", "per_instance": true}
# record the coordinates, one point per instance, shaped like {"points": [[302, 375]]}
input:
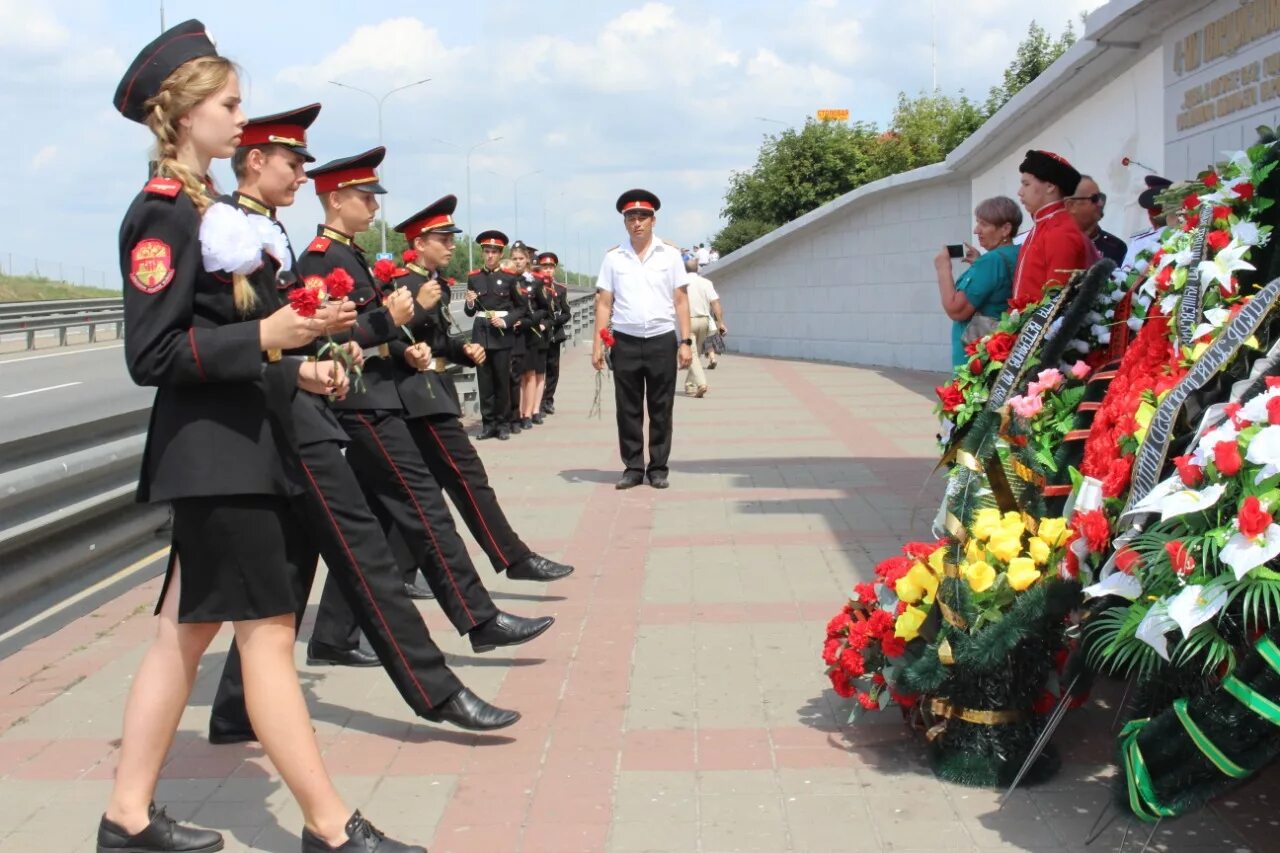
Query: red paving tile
{"points": [[660, 749]]}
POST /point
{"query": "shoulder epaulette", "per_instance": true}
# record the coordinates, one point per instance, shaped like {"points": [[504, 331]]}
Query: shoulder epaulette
{"points": [[319, 245], [474, 272], [400, 272], [167, 187]]}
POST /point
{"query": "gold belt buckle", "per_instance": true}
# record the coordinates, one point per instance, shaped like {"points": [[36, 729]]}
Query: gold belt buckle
{"points": [[384, 350], [274, 355], [439, 365]]}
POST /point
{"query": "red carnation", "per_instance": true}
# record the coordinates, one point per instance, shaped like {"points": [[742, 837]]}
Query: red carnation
{"points": [[951, 396], [893, 647], [906, 700], [999, 346], [606, 337], [305, 301], [921, 550], [866, 700], [852, 663], [1232, 411], [1093, 526], [1253, 519], [409, 256], [339, 284], [1127, 560], [830, 652], [1191, 473], [1191, 223], [841, 684], [1218, 240], [866, 592], [1273, 410], [838, 624], [1211, 179], [881, 623], [1226, 456], [384, 270], [1044, 703], [892, 569], [1244, 191], [971, 348], [1273, 381], [1191, 202], [1179, 557], [1164, 277], [1222, 212]]}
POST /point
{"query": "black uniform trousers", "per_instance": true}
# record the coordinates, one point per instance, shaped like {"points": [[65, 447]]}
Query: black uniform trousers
{"points": [[364, 575], [516, 374], [493, 380], [644, 370], [391, 471], [452, 458], [553, 373]]}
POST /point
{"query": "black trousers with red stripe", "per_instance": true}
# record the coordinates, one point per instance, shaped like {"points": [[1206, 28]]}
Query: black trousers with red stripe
{"points": [[452, 458], [365, 577], [390, 469], [553, 374]]}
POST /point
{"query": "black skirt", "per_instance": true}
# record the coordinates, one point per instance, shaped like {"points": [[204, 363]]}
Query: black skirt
{"points": [[535, 360], [238, 556]]}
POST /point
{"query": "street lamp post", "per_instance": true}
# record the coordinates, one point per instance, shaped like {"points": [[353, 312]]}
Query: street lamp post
{"points": [[379, 101], [515, 188]]}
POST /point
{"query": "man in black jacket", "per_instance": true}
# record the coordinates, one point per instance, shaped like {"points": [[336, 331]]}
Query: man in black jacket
{"points": [[492, 299], [560, 316]]}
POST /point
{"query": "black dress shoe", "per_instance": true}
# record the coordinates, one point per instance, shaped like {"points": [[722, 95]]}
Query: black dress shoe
{"points": [[548, 408], [503, 433], [537, 418], [526, 423], [629, 480], [362, 837], [515, 426], [538, 568], [507, 629], [223, 732], [323, 654], [468, 711], [658, 481], [417, 591], [162, 835], [487, 432]]}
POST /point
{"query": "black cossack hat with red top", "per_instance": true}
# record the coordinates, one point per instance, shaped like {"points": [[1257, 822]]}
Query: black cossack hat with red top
{"points": [[155, 62], [1051, 168]]}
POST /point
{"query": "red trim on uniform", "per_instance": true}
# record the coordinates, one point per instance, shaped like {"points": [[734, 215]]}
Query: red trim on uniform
{"points": [[415, 229], [637, 204], [467, 486], [284, 133], [355, 566], [413, 498], [147, 62], [330, 181], [491, 241], [191, 339], [167, 187], [319, 245]]}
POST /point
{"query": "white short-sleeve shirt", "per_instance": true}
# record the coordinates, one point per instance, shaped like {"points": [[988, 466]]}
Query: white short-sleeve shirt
{"points": [[643, 288], [701, 294]]}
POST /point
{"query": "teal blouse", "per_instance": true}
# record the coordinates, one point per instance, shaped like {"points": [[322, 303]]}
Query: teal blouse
{"points": [[987, 284]]}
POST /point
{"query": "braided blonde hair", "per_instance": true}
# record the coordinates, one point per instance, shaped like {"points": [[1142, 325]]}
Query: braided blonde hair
{"points": [[182, 91]]}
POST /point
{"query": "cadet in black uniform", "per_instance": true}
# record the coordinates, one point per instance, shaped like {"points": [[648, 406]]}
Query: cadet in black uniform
{"points": [[431, 401], [539, 299], [560, 317], [521, 259], [383, 455], [219, 449], [491, 299], [269, 166]]}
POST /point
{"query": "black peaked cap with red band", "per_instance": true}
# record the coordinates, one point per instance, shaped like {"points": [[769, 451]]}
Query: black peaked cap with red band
{"points": [[288, 129], [155, 62], [1053, 169], [492, 237], [357, 171], [549, 258], [1155, 186], [638, 200], [435, 218]]}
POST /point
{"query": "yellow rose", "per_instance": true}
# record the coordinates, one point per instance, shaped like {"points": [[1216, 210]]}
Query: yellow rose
{"points": [[1039, 550], [1011, 524], [985, 523], [974, 551], [907, 626], [916, 584], [980, 576], [936, 559], [1022, 573], [1053, 531], [1004, 547]]}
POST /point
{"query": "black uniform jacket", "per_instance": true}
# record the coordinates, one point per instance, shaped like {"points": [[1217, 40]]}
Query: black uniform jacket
{"points": [[495, 291], [219, 422], [332, 250], [538, 305], [561, 314], [431, 392]]}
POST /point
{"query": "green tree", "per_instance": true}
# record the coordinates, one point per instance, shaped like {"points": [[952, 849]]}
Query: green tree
{"points": [[1035, 53]]}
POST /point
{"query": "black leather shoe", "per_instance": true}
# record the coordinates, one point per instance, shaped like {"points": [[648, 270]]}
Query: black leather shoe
{"points": [[468, 711], [162, 835], [538, 568], [526, 423], [417, 591], [487, 432], [223, 732], [658, 481], [362, 837], [548, 408], [537, 417], [629, 480], [507, 629], [503, 433], [323, 654], [515, 427]]}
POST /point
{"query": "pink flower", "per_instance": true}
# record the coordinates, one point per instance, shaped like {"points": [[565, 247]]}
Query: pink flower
{"points": [[1048, 380], [1027, 407], [1080, 370]]}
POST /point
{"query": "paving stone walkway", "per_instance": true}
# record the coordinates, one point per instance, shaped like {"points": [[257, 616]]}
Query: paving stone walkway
{"points": [[677, 705]]}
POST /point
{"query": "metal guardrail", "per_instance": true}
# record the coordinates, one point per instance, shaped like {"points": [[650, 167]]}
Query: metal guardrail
{"points": [[9, 310], [63, 323]]}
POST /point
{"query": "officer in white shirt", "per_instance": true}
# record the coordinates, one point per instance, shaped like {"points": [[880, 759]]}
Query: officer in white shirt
{"points": [[641, 292]]}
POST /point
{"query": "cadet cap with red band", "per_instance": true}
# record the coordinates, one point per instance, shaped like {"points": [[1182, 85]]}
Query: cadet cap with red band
{"points": [[435, 218], [638, 200], [492, 237], [288, 129], [155, 62], [357, 172], [548, 259]]}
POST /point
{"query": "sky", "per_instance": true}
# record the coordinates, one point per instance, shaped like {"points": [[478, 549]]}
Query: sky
{"points": [[588, 100]]}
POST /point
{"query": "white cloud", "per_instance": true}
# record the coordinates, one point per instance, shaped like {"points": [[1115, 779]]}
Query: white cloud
{"points": [[398, 50], [44, 157], [30, 29]]}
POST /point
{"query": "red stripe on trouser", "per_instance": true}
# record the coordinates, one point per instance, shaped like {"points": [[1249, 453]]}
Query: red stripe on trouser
{"points": [[355, 566], [413, 499], [467, 487]]}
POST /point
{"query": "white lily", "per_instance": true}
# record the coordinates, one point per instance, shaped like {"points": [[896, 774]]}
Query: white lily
{"points": [[1215, 318], [1155, 625], [1117, 583], [1182, 258], [1244, 555], [1195, 605], [1169, 303], [1154, 499], [1255, 411], [1184, 501], [1264, 450], [1247, 233], [1224, 265], [1226, 431]]}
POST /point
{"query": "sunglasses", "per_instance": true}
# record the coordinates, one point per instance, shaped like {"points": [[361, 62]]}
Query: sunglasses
{"points": [[1096, 198]]}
